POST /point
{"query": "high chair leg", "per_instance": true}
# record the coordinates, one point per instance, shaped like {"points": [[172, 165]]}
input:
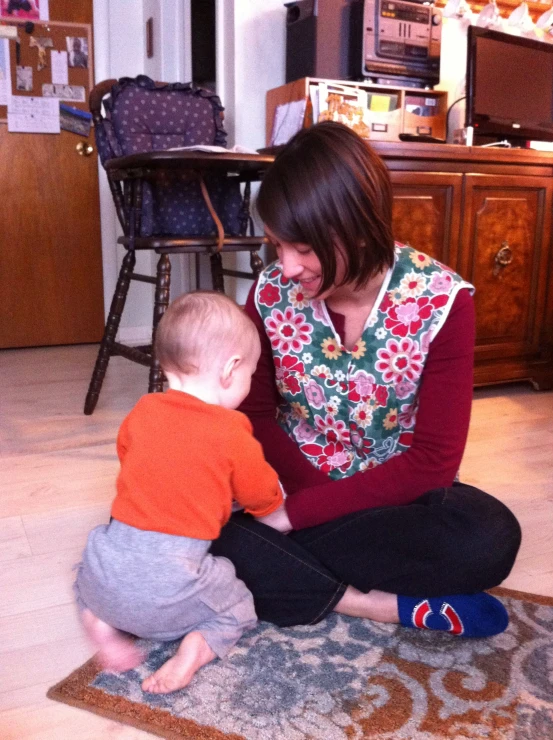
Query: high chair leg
{"points": [[161, 301], [110, 332]]}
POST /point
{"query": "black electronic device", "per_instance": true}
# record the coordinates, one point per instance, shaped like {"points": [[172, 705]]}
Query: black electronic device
{"points": [[421, 139], [401, 38], [317, 39], [509, 86]]}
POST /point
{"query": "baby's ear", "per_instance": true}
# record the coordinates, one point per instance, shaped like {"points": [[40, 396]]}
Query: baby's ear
{"points": [[229, 369]]}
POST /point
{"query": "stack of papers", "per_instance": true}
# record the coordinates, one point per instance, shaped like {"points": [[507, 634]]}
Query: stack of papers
{"points": [[237, 149]]}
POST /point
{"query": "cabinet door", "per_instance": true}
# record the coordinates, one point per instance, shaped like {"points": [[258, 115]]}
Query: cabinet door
{"points": [[426, 212], [504, 254]]}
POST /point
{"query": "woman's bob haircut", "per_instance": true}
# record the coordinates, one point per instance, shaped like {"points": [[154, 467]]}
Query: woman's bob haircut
{"points": [[328, 189]]}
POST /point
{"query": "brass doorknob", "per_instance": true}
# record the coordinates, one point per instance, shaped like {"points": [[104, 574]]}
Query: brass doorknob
{"points": [[84, 149]]}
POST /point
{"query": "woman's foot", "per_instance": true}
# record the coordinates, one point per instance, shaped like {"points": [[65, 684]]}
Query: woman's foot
{"points": [[193, 653], [116, 651], [473, 615]]}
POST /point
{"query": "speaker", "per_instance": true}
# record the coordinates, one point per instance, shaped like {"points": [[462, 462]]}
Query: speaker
{"points": [[317, 39]]}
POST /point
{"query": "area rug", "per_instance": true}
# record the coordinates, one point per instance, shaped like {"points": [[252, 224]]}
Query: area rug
{"points": [[346, 679]]}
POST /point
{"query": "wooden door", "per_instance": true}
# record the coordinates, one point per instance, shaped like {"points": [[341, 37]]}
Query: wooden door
{"points": [[504, 254], [50, 253], [426, 212]]}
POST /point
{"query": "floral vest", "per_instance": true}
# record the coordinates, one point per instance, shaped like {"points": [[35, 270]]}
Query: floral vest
{"points": [[349, 411]]}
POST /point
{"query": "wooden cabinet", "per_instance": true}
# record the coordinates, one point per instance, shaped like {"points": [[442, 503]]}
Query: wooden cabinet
{"points": [[487, 214], [426, 212], [505, 254]]}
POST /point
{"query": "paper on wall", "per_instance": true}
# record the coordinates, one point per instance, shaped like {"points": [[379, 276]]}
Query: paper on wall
{"points": [[44, 10], [75, 93], [5, 76], [60, 74], [25, 11], [33, 115]]}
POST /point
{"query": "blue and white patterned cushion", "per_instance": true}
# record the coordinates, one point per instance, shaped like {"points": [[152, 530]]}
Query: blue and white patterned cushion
{"points": [[141, 117]]}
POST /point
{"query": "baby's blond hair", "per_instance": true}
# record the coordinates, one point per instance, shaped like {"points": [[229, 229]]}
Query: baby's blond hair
{"points": [[200, 331]]}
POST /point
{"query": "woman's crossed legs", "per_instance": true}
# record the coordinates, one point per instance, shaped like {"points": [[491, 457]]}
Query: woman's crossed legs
{"points": [[455, 540]]}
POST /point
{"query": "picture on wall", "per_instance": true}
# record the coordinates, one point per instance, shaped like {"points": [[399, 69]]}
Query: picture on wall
{"points": [[77, 48], [24, 10], [24, 79]]}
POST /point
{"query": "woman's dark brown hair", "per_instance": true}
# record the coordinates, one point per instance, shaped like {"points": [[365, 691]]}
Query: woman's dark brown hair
{"points": [[326, 188]]}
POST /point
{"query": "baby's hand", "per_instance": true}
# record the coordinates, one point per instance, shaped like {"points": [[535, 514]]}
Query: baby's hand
{"points": [[278, 520]]}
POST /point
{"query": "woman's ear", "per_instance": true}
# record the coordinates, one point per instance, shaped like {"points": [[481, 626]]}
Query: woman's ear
{"points": [[229, 368]]}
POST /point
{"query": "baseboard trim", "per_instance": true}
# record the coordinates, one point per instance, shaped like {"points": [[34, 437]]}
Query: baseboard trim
{"points": [[135, 335]]}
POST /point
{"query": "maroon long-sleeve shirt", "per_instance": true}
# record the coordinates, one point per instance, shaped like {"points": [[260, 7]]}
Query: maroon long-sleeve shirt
{"points": [[432, 461]]}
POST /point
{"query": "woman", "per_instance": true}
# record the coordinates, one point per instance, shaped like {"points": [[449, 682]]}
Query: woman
{"points": [[361, 401]]}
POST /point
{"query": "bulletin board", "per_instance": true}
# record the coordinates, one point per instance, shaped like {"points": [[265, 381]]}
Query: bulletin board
{"points": [[29, 57]]}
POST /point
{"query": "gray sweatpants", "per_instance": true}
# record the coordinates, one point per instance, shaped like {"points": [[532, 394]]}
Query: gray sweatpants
{"points": [[161, 586]]}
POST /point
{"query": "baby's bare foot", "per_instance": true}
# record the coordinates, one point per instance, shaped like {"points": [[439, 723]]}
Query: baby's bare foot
{"points": [[193, 653], [116, 651]]}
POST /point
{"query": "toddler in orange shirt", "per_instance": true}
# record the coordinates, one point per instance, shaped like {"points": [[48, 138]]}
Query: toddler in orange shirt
{"points": [[185, 455]]}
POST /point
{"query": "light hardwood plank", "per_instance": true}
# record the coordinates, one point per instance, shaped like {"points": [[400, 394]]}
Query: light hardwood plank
{"points": [[38, 582], [74, 523], [13, 540]]}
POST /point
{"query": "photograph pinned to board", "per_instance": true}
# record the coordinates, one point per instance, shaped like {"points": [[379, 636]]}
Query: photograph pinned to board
{"points": [[41, 43], [24, 79], [75, 120], [74, 93], [5, 76], [33, 115], [77, 48], [29, 10]]}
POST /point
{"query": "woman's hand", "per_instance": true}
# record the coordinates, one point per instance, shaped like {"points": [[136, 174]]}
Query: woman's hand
{"points": [[278, 520]]}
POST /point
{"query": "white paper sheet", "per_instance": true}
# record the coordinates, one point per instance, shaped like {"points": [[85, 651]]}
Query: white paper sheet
{"points": [[60, 74], [44, 10], [213, 149], [75, 93], [288, 121], [5, 76], [33, 115]]}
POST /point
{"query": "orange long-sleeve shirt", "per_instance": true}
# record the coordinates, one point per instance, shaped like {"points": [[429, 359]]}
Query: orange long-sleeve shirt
{"points": [[183, 461]]}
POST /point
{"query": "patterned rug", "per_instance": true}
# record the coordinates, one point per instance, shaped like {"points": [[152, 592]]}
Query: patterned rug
{"points": [[346, 679]]}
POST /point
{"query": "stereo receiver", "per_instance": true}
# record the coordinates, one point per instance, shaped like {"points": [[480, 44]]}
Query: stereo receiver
{"points": [[401, 38]]}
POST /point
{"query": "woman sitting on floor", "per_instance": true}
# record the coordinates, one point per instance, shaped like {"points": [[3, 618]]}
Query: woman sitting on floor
{"points": [[361, 401]]}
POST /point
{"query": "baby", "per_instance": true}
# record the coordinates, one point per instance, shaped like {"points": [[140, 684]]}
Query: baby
{"points": [[185, 455]]}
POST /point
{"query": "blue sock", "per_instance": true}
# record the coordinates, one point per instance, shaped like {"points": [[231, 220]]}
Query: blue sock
{"points": [[474, 615]]}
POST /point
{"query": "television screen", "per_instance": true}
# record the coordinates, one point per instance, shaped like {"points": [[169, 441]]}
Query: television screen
{"points": [[509, 85]]}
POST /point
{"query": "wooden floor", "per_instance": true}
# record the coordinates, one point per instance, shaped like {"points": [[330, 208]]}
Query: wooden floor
{"points": [[58, 469]]}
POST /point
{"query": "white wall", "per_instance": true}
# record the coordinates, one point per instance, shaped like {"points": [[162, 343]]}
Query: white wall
{"points": [[251, 45], [251, 41]]}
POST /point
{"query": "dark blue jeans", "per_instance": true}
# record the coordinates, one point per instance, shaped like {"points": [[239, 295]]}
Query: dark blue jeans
{"points": [[449, 541]]}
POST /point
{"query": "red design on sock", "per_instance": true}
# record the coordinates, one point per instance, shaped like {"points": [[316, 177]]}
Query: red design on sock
{"points": [[420, 614], [455, 624]]}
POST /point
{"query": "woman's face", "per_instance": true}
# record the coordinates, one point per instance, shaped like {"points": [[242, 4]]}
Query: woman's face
{"points": [[299, 262]]}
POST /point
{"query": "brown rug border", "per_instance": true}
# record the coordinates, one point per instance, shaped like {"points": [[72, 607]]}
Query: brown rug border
{"points": [[75, 691]]}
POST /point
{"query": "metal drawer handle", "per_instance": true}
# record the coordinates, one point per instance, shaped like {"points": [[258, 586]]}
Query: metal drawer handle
{"points": [[503, 258]]}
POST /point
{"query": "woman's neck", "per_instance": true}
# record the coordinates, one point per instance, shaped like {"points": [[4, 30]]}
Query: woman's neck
{"points": [[348, 298], [355, 306]]}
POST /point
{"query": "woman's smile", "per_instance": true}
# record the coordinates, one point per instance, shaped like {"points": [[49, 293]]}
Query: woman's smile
{"points": [[311, 283]]}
